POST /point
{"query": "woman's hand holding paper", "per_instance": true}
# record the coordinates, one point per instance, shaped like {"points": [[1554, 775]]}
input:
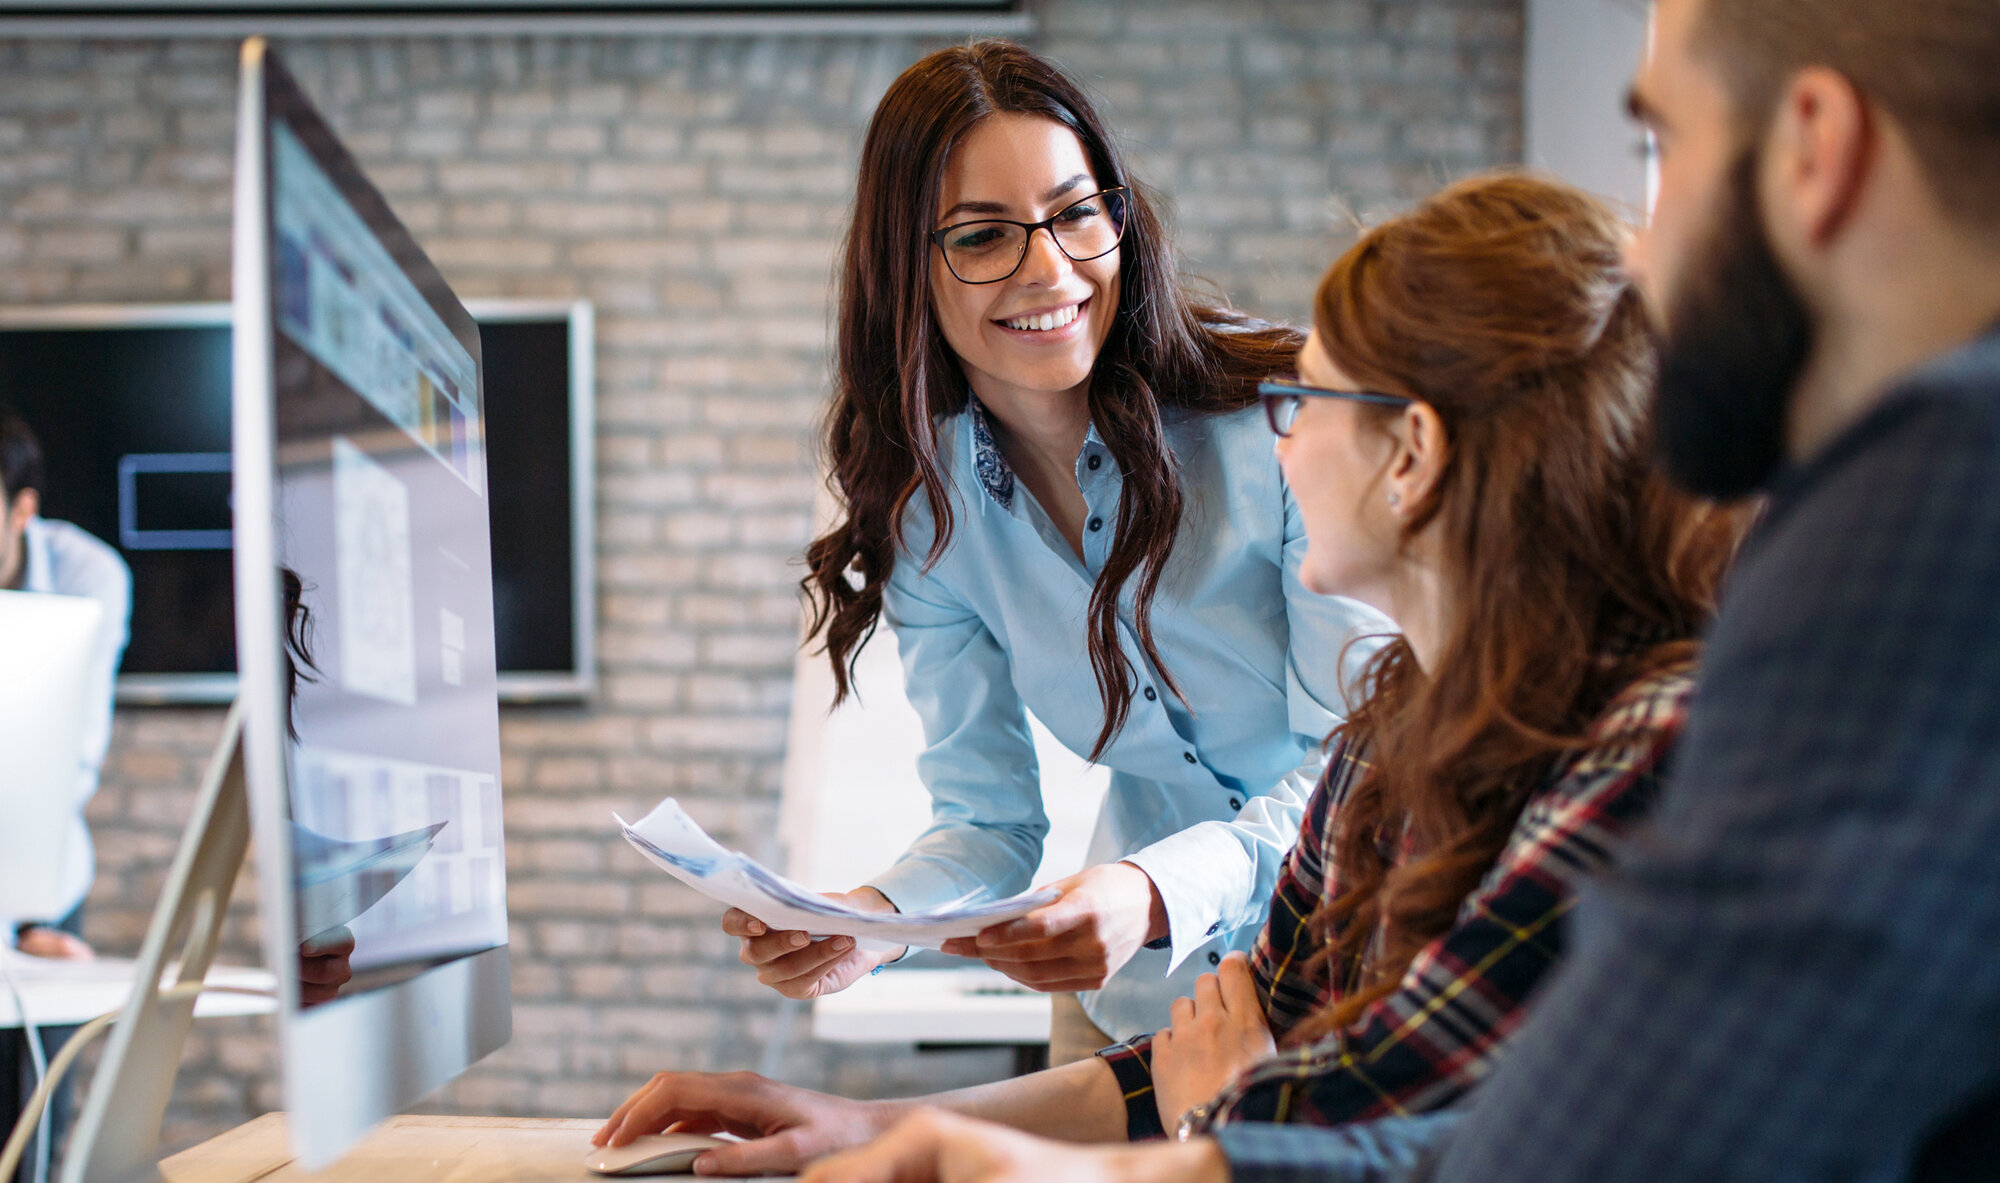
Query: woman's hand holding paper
{"points": [[1093, 928], [795, 965]]}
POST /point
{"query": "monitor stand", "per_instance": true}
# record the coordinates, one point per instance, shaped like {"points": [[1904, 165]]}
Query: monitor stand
{"points": [[117, 1138]]}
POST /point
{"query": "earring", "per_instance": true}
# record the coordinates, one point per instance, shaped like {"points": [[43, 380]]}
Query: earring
{"points": [[1395, 499]]}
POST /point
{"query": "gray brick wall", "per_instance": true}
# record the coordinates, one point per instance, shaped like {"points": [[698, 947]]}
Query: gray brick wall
{"points": [[694, 188]]}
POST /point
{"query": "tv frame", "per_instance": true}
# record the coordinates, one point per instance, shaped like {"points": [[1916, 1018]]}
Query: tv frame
{"points": [[578, 684]]}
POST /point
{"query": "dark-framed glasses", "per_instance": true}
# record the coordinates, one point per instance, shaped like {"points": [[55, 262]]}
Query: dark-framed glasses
{"points": [[991, 249], [1283, 397]]}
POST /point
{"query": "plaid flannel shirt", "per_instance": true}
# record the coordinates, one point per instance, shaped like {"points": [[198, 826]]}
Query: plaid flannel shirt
{"points": [[1422, 1046]]}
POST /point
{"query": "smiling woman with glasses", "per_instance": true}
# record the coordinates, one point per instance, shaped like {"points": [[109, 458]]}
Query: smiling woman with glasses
{"points": [[1030, 409]]}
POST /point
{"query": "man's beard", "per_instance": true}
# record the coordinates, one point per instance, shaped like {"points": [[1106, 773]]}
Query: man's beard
{"points": [[1735, 342]]}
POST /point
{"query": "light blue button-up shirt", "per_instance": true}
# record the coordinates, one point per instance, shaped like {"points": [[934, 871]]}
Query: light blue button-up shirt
{"points": [[1205, 797]]}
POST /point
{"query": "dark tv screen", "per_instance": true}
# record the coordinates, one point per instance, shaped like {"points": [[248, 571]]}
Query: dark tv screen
{"points": [[134, 425]]}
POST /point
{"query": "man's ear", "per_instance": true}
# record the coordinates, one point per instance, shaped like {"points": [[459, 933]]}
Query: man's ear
{"points": [[1421, 451], [1819, 155]]}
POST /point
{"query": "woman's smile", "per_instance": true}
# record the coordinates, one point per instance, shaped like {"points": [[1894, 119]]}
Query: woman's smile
{"points": [[1048, 326]]}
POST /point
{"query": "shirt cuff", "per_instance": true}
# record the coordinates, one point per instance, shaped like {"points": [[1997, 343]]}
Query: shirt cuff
{"points": [[1131, 1063], [1197, 903], [1392, 1150], [920, 884]]}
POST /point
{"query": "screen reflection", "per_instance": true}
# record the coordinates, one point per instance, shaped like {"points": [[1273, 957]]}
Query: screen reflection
{"points": [[386, 571]]}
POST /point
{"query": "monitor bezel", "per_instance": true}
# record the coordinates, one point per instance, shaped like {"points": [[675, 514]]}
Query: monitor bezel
{"points": [[352, 1063], [579, 682]]}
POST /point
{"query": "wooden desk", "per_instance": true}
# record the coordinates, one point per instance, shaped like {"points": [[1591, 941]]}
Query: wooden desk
{"points": [[407, 1149]]}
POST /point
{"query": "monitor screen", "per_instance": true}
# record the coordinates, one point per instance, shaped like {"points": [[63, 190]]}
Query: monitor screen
{"points": [[131, 404], [388, 577], [365, 628]]}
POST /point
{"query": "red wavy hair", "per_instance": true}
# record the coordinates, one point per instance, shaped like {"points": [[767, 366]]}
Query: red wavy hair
{"points": [[1503, 304]]}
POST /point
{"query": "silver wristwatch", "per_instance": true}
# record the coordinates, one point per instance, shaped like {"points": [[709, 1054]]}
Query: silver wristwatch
{"points": [[1194, 1119]]}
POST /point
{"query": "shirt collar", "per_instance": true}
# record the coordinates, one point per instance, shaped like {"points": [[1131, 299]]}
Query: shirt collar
{"points": [[996, 476]]}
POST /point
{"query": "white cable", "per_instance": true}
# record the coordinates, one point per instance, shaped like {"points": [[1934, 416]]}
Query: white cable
{"points": [[17, 1144], [32, 1036]]}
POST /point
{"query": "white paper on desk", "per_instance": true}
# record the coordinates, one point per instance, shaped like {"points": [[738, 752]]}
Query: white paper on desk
{"points": [[671, 840]]}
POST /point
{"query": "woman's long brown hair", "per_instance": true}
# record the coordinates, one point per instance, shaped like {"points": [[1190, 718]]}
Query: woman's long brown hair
{"points": [[1503, 304], [896, 380]]}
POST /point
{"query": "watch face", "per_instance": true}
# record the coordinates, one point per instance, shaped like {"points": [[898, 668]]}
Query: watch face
{"points": [[1190, 1122]]}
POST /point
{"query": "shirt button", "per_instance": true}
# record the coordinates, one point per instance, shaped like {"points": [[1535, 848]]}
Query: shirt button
{"points": [[1214, 928], [1096, 462], [1235, 804], [1096, 524], [1189, 757], [1152, 695], [1215, 959]]}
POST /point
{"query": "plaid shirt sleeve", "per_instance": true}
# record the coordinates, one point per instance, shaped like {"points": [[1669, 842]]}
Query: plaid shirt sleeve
{"points": [[1283, 958], [1421, 1047], [1424, 1045]]}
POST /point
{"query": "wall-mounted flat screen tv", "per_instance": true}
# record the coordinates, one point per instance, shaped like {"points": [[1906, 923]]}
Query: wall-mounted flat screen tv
{"points": [[131, 404]]}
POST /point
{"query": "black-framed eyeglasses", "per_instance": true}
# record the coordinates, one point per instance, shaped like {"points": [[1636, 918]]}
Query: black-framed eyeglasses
{"points": [[992, 249], [1283, 397]]}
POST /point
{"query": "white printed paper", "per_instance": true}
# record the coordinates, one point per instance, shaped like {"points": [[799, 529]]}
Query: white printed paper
{"points": [[371, 509], [338, 881], [671, 840]]}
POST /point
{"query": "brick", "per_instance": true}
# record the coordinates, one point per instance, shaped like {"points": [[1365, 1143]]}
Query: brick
{"points": [[649, 178], [579, 139], [712, 733], [571, 217], [537, 896], [753, 651], [658, 490], [650, 139], [78, 246], [647, 648], [480, 213], [198, 241], [444, 108], [624, 254], [696, 529], [643, 691], [535, 177]]}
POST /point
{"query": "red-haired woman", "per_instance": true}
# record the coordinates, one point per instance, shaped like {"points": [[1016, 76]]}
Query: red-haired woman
{"points": [[1058, 493], [1468, 442]]}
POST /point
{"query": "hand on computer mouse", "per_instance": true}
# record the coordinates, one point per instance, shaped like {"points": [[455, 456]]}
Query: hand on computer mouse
{"points": [[795, 965], [653, 1154], [786, 1127]]}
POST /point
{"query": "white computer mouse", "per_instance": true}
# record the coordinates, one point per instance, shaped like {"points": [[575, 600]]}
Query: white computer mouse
{"points": [[651, 1154]]}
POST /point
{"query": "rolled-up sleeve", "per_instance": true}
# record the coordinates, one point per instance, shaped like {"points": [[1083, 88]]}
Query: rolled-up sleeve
{"points": [[987, 821], [1218, 876]]}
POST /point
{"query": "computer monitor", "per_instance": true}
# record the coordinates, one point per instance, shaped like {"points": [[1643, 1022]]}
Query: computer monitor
{"points": [[49, 642], [365, 639]]}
